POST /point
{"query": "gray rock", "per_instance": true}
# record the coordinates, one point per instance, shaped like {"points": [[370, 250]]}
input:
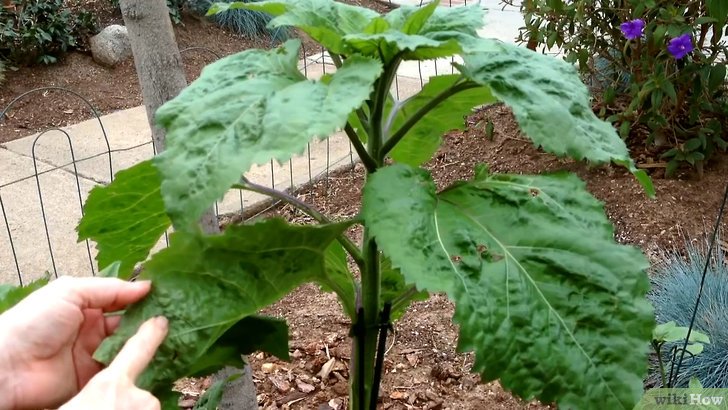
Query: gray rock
{"points": [[240, 393], [111, 46]]}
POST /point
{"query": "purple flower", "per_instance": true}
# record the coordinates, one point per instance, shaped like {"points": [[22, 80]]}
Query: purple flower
{"points": [[681, 46], [633, 29]]}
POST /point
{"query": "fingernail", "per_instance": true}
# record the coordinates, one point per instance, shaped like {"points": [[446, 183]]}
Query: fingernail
{"points": [[161, 322], [142, 283]]}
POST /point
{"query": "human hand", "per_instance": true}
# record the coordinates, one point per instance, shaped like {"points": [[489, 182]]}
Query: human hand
{"points": [[113, 388], [47, 340]]}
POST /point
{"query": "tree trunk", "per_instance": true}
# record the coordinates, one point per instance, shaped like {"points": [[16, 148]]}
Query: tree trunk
{"points": [[161, 77]]}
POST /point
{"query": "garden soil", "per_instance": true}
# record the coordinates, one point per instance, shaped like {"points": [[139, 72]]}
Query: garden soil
{"points": [[423, 370]]}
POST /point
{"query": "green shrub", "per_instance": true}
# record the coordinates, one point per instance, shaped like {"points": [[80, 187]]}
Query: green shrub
{"points": [[659, 66], [38, 31], [2, 72], [241, 21]]}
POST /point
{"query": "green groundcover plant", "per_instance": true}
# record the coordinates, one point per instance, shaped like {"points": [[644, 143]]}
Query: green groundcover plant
{"points": [[546, 299]]}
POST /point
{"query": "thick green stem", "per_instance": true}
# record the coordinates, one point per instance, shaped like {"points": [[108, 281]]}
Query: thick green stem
{"points": [[367, 330], [376, 123], [336, 59], [412, 120], [361, 151], [367, 326]]}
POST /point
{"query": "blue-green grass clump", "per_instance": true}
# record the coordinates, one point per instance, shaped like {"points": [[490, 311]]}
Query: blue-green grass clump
{"points": [[676, 282], [243, 22]]}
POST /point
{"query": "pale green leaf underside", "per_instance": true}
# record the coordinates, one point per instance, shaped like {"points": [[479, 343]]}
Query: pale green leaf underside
{"points": [[549, 303], [247, 109], [206, 284], [549, 101], [125, 218], [423, 140]]}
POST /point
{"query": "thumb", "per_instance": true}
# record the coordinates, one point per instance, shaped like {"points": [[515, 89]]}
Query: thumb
{"points": [[139, 350]]}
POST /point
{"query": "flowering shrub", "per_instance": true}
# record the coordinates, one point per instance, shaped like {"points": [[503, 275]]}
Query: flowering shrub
{"points": [[658, 66]]}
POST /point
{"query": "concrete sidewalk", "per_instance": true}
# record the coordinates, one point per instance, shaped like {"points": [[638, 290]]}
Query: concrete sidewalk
{"points": [[45, 178]]}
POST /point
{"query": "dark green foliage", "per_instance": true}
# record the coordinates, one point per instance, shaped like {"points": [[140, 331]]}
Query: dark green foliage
{"points": [[679, 104], [39, 31], [240, 21], [675, 286]]}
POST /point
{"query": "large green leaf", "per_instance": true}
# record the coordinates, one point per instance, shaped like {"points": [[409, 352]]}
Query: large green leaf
{"points": [[549, 101], [465, 20], [718, 9], [548, 301], [339, 279], [247, 109], [422, 140], [410, 19], [412, 46], [206, 284], [396, 290], [324, 20], [417, 33], [125, 218], [251, 334], [10, 295], [168, 398]]}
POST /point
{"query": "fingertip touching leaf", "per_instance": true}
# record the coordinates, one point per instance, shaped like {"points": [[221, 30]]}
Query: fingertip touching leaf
{"points": [[425, 137], [546, 299], [246, 109], [549, 101], [229, 277], [125, 218]]}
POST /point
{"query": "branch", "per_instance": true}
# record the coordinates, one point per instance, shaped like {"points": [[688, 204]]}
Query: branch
{"points": [[376, 131], [366, 159], [352, 249], [363, 120], [338, 62], [336, 59], [414, 118]]}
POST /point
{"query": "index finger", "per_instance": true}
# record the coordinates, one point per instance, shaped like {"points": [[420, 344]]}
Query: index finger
{"points": [[109, 294], [139, 350]]}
